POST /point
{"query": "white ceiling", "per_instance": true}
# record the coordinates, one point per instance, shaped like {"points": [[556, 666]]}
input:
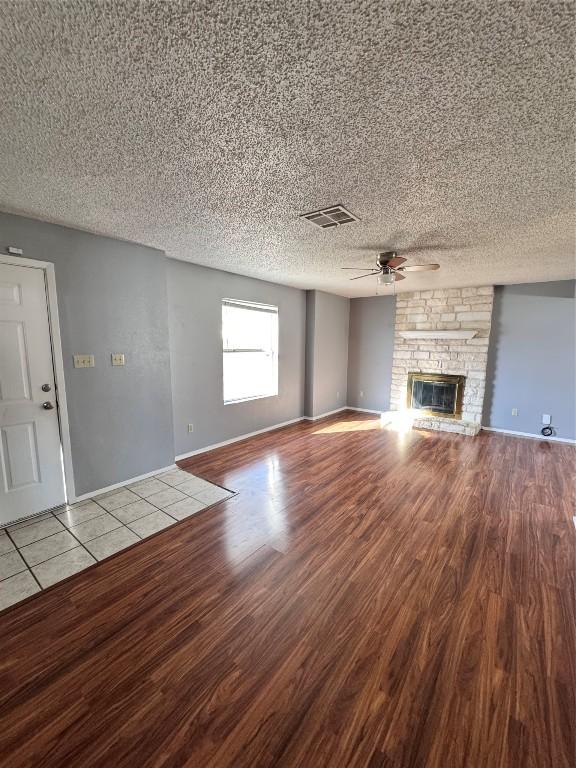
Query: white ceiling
{"points": [[206, 128]]}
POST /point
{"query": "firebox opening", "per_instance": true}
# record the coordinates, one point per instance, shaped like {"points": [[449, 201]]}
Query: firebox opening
{"points": [[435, 394]]}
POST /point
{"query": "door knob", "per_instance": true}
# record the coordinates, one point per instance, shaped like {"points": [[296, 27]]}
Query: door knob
{"points": [[47, 405], [46, 387]]}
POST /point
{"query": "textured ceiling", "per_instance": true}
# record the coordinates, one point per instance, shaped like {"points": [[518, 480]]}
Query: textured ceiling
{"points": [[205, 128]]}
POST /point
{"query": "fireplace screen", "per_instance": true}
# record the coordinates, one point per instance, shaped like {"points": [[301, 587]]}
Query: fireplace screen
{"points": [[435, 394]]}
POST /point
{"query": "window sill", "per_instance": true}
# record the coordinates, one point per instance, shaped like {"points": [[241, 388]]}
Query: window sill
{"points": [[248, 399]]}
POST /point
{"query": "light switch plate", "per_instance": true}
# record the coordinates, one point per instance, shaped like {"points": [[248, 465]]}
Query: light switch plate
{"points": [[118, 358], [83, 361], [514, 411], [546, 418]]}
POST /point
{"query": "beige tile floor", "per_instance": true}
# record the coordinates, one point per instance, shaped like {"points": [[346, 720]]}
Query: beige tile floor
{"points": [[42, 550]]}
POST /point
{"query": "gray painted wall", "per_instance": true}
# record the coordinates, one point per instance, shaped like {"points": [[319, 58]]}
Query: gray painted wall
{"points": [[309, 373], [111, 298], [531, 362], [195, 313], [370, 352], [327, 326]]}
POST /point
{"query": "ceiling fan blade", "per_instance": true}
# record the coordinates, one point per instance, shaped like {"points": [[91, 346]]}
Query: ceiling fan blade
{"points": [[360, 269], [398, 276], [419, 268], [396, 261], [377, 272]]}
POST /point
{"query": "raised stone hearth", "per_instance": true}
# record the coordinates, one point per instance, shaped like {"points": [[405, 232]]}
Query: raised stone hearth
{"points": [[431, 312], [446, 425]]}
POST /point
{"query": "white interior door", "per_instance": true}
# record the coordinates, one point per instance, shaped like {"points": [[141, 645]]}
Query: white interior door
{"points": [[31, 473]]}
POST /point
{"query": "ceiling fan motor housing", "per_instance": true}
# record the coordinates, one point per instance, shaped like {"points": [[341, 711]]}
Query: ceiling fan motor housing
{"points": [[384, 257]]}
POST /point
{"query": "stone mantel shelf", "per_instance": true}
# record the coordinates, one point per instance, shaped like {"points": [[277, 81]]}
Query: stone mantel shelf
{"points": [[469, 334]]}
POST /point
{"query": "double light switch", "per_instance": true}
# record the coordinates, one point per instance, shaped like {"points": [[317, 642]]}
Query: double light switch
{"points": [[87, 361], [83, 361]]}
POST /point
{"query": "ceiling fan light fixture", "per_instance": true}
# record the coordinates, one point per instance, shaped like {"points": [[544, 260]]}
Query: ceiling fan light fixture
{"points": [[385, 278]]}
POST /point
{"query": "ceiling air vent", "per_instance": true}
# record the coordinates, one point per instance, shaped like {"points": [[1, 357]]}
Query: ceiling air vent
{"points": [[334, 216]]}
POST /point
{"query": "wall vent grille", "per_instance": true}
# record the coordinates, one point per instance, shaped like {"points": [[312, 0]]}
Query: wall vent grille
{"points": [[334, 216]]}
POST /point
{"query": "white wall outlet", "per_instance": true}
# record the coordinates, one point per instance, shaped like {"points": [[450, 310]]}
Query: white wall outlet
{"points": [[190, 427], [118, 358], [83, 361], [15, 251], [514, 411], [546, 418]]}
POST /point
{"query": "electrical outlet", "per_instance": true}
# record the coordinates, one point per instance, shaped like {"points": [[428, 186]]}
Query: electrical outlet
{"points": [[337, 395], [118, 358], [514, 411], [361, 393], [190, 427], [546, 418], [83, 361]]}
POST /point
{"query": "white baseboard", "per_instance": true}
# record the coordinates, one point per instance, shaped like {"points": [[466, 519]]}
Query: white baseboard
{"points": [[530, 435], [237, 439], [365, 410], [84, 496], [323, 415]]}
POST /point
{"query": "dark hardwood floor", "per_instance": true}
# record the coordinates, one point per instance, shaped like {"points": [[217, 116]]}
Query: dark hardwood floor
{"points": [[369, 599]]}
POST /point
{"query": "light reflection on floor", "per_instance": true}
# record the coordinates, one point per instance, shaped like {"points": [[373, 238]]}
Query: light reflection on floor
{"points": [[258, 517], [391, 421]]}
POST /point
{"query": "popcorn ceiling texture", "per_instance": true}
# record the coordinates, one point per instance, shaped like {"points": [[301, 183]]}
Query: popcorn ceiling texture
{"points": [[449, 309], [206, 128]]}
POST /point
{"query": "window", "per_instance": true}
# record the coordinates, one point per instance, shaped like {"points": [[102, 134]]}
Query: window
{"points": [[250, 350]]}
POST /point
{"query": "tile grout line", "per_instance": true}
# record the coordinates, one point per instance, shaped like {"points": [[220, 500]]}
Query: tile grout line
{"points": [[50, 535], [44, 538], [122, 523], [82, 544], [34, 577], [79, 542], [28, 568], [53, 556]]}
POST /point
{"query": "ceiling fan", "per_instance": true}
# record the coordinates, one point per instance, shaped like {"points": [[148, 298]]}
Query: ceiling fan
{"points": [[389, 268]]}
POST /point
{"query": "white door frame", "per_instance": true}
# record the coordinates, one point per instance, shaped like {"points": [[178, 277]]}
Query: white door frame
{"points": [[58, 361]]}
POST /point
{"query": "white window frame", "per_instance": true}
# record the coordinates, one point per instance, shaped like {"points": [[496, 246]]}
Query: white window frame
{"points": [[257, 306]]}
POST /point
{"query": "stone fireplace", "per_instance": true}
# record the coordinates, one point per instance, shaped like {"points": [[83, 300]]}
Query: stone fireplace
{"points": [[440, 356]]}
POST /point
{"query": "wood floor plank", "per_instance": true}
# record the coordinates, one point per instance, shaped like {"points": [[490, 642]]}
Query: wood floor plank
{"points": [[369, 599]]}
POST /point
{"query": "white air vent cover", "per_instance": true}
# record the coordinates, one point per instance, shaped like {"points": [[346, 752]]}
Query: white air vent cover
{"points": [[334, 216]]}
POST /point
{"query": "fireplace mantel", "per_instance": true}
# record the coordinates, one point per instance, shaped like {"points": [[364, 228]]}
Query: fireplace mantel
{"points": [[456, 334]]}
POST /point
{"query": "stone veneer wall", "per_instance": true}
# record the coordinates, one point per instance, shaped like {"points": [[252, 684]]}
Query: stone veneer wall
{"points": [[448, 309]]}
